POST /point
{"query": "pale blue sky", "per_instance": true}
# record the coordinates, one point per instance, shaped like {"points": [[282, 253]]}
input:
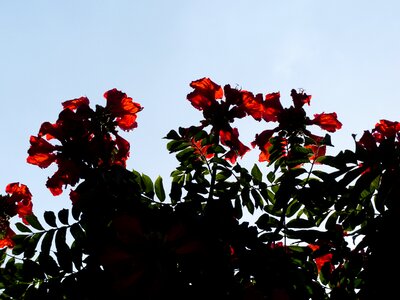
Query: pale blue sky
{"points": [[344, 53]]}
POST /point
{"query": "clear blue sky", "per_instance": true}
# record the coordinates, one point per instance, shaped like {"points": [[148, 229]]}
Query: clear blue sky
{"points": [[344, 53]]}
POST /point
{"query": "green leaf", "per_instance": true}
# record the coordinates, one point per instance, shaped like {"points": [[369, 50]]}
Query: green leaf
{"points": [[19, 241], [263, 222], [77, 233], [63, 216], [177, 145], [21, 227], [48, 264], [50, 218], [63, 252], [256, 173], [3, 255], [47, 241], [76, 253], [271, 176], [257, 198], [159, 188], [34, 222], [223, 175], [172, 135], [293, 207], [32, 270], [30, 244], [76, 212], [176, 191], [147, 183], [185, 154], [300, 223]]}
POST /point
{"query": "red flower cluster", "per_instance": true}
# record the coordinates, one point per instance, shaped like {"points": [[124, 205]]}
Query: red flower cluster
{"points": [[219, 113], [293, 122], [87, 138], [207, 97], [377, 148], [17, 202]]}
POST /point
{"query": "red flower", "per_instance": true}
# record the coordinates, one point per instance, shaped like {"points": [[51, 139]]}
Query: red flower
{"points": [[76, 103], [22, 198], [299, 99], [201, 150], [6, 235], [205, 93], [321, 260], [41, 152], [292, 124], [17, 202], [272, 107], [230, 138], [262, 140], [87, 139], [386, 129], [328, 122], [68, 173], [122, 108], [219, 114], [259, 109]]}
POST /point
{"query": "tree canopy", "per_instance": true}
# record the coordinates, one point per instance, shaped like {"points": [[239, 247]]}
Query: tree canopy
{"points": [[325, 225]]}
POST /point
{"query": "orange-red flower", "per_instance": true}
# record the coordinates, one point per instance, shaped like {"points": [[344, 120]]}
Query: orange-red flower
{"points": [[17, 202], [386, 129], [323, 259], [20, 195], [267, 109], [201, 150], [6, 235], [205, 93], [230, 138], [76, 103], [292, 122], [122, 108], [328, 122], [377, 149], [219, 113], [84, 138]]}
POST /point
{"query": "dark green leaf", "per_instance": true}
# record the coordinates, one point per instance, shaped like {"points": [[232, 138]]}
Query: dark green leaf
{"points": [[76, 253], [257, 198], [293, 207], [256, 173], [77, 233], [23, 228], [223, 175], [30, 244], [19, 241], [263, 222], [63, 252], [159, 188], [63, 216], [172, 135], [300, 223], [50, 218], [48, 264], [47, 241], [147, 185], [271, 176], [34, 222]]}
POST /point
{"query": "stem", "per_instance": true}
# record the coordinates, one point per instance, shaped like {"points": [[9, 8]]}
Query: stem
{"points": [[212, 184]]}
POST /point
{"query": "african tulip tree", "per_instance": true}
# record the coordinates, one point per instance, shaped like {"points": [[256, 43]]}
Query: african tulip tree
{"points": [[129, 239]]}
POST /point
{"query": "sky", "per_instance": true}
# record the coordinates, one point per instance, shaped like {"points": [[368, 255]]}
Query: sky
{"points": [[343, 53]]}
